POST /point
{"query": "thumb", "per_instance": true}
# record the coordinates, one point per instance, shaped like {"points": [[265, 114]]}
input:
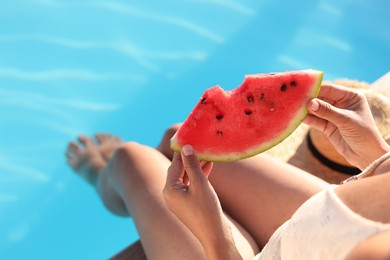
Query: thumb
{"points": [[325, 110], [192, 165]]}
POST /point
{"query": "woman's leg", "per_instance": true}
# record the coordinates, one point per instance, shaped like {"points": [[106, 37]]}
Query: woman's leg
{"points": [[368, 197], [261, 192], [87, 159], [138, 174], [134, 179], [164, 146]]}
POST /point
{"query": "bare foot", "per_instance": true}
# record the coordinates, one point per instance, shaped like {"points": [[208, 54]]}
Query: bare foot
{"points": [[89, 159], [85, 159], [108, 144]]}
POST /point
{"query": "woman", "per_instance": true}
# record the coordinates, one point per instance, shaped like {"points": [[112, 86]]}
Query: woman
{"points": [[235, 210]]}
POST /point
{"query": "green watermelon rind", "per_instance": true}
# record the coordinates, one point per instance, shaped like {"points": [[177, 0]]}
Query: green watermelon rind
{"points": [[296, 121]]}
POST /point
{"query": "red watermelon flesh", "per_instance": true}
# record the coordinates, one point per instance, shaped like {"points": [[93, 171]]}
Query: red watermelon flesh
{"points": [[236, 124]]}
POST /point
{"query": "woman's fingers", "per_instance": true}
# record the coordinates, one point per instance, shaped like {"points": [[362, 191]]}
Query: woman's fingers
{"points": [[187, 170], [325, 111], [192, 165], [207, 167], [334, 93], [315, 122], [175, 172]]}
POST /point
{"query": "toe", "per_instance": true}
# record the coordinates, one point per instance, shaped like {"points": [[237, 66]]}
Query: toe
{"points": [[72, 161], [85, 140], [100, 138], [74, 153], [107, 138], [115, 139], [73, 148], [118, 139]]}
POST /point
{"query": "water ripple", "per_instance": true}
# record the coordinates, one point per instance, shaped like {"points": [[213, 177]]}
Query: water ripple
{"points": [[128, 9], [64, 74]]}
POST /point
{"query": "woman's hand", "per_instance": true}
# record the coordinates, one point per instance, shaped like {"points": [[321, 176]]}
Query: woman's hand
{"points": [[193, 200], [344, 116]]}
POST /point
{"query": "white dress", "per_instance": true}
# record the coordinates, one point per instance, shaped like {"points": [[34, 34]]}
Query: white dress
{"points": [[322, 228]]}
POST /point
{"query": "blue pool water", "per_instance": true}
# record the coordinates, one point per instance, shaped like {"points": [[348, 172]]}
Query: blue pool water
{"points": [[132, 69]]}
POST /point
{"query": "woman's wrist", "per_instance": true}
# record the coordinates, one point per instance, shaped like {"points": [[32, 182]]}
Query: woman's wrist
{"points": [[373, 155], [379, 166], [379, 162], [384, 166]]}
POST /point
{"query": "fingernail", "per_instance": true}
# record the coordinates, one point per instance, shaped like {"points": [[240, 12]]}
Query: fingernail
{"points": [[187, 150], [314, 105]]}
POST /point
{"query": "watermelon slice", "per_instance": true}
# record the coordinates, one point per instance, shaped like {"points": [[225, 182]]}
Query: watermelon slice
{"points": [[236, 124]]}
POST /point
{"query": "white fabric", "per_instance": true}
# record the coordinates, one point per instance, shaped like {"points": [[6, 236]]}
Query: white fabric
{"points": [[322, 228]]}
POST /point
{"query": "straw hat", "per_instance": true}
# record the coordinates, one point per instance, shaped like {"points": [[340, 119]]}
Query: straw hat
{"points": [[310, 149]]}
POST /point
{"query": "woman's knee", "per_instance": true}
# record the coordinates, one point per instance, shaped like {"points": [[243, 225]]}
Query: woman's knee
{"points": [[130, 152], [127, 157], [138, 160]]}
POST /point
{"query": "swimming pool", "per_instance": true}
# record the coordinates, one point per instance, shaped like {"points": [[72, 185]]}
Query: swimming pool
{"points": [[70, 67]]}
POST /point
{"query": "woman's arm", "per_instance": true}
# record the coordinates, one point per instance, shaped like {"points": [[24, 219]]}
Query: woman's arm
{"points": [[193, 200]]}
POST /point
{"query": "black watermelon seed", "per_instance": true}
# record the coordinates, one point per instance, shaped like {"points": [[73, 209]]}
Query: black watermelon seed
{"points": [[250, 99], [262, 96], [219, 117], [219, 133], [283, 87], [293, 84], [248, 112], [203, 101]]}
